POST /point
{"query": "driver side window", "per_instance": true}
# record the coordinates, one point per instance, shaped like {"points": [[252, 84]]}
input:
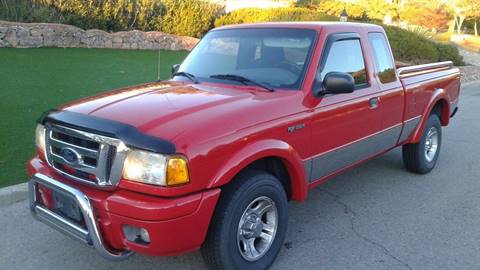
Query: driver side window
{"points": [[346, 56]]}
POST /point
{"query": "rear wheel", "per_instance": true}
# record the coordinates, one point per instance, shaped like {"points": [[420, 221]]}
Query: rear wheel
{"points": [[249, 225], [422, 156]]}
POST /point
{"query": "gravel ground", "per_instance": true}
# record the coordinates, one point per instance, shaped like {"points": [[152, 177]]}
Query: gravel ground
{"points": [[469, 73], [472, 72], [472, 58]]}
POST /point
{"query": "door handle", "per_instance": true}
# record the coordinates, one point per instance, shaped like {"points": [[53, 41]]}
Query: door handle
{"points": [[373, 102]]}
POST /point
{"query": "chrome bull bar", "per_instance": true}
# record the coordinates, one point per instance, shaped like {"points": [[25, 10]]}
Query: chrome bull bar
{"points": [[90, 235]]}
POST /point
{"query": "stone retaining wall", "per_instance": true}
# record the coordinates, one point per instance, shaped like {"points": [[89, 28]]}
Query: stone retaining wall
{"points": [[34, 35]]}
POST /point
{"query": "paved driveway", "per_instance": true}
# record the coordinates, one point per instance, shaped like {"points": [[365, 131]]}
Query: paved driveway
{"points": [[377, 216]]}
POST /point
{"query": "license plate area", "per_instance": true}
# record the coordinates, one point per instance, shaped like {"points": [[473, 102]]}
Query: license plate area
{"points": [[66, 206]]}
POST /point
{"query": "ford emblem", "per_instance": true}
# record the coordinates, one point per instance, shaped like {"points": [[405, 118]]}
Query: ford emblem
{"points": [[70, 155]]}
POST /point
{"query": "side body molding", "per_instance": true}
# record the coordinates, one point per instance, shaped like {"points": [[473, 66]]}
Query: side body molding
{"points": [[262, 149]]}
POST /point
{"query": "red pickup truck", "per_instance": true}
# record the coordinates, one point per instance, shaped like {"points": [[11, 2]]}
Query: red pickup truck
{"points": [[255, 116]]}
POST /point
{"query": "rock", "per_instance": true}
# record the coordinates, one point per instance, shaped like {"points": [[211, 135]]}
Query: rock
{"points": [[22, 33], [117, 39], [28, 35], [108, 43], [35, 32], [117, 45], [3, 32], [11, 38]]}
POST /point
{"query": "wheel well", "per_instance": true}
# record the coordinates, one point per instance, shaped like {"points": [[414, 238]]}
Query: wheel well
{"points": [[441, 110], [274, 166]]}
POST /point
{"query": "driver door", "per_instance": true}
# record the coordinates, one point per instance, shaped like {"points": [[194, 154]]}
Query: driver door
{"points": [[345, 127]]}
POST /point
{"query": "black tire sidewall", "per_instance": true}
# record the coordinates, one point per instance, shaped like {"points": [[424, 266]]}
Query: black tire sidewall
{"points": [[264, 185], [433, 121]]}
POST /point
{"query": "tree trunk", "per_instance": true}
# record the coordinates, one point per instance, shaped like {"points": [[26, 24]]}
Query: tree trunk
{"points": [[459, 20], [457, 27], [451, 26], [475, 27]]}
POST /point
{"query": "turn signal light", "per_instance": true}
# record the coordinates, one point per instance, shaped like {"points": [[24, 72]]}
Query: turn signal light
{"points": [[177, 171]]}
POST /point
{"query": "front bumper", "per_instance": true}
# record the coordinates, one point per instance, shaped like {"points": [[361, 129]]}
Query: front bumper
{"points": [[89, 235], [175, 225]]}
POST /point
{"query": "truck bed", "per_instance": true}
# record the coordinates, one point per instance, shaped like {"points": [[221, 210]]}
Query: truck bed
{"points": [[423, 83]]}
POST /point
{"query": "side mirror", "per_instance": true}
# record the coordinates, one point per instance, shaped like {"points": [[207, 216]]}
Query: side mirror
{"points": [[175, 68], [335, 83]]}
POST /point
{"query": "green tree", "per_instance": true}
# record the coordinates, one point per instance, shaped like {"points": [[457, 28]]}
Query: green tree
{"points": [[311, 4], [462, 9], [472, 12], [361, 9], [376, 9]]}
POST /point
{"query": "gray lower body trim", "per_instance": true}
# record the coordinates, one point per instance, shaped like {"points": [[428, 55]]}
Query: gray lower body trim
{"points": [[340, 158], [307, 164], [409, 127]]}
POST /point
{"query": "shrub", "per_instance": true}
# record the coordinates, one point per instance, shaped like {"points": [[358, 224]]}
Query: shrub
{"points": [[195, 17], [407, 46], [26, 11], [306, 3], [410, 47], [251, 15], [189, 18], [109, 15], [360, 10], [414, 48], [449, 52]]}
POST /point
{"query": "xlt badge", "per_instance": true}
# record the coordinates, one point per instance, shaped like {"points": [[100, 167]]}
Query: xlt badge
{"points": [[295, 127]]}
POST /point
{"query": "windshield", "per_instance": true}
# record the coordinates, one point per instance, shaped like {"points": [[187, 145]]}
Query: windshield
{"points": [[275, 57]]}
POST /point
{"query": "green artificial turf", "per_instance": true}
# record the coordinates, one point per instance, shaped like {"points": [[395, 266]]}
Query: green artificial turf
{"points": [[35, 80]]}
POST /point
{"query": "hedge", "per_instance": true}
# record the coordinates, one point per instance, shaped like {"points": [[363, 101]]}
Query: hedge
{"points": [[180, 17], [413, 48], [196, 17], [189, 18], [251, 15], [407, 46]]}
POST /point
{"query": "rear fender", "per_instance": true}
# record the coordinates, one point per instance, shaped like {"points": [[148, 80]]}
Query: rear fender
{"points": [[438, 95], [262, 149]]}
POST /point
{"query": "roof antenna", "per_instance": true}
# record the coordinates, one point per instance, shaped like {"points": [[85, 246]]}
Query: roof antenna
{"points": [[158, 66]]}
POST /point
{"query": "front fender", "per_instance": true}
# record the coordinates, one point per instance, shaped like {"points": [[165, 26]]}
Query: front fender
{"points": [[262, 149], [438, 95]]}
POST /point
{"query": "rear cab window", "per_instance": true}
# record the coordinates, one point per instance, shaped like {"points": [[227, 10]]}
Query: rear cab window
{"points": [[383, 57]]}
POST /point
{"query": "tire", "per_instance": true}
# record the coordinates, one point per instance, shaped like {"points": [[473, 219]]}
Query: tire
{"points": [[416, 157], [225, 245]]}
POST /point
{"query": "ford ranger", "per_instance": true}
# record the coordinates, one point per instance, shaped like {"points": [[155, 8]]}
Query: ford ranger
{"points": [[255, 116]]}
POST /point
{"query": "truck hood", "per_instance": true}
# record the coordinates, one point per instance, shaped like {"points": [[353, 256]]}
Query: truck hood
{"points": [[170, 109]]}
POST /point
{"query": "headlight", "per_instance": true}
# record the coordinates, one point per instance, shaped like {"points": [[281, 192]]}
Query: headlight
{"points": [[155, 169], [40, 138]]}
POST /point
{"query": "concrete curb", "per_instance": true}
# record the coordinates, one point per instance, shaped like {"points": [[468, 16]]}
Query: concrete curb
{"points": [[12, 194]]}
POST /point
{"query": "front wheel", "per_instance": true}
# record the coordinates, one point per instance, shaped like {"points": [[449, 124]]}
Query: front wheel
{"points": [[421, 157], [249, 225]]}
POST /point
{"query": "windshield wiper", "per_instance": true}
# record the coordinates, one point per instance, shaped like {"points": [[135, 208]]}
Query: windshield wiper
{"points": [[244, 80], [190, 76]]}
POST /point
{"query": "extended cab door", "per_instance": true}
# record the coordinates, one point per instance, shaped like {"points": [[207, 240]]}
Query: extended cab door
{"points": [[346, 128], [392, 94]]}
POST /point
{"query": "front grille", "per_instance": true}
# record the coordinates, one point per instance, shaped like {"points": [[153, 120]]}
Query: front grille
{"points": [[84, 156]]}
